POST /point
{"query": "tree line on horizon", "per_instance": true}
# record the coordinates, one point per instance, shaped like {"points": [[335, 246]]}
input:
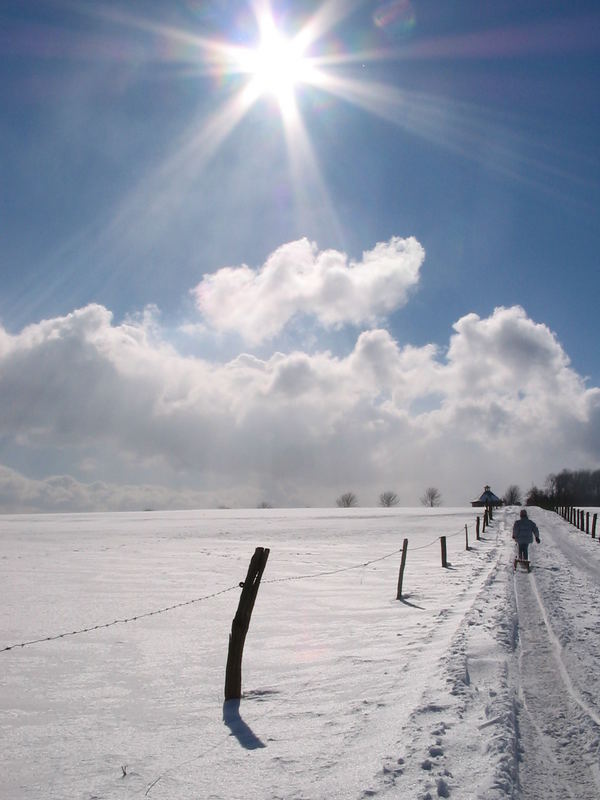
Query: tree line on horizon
{"points": [[579, 487], [566, 488], [432, 498]]}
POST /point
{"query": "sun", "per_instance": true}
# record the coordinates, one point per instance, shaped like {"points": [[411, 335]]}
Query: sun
{"points": [[277, 65]]}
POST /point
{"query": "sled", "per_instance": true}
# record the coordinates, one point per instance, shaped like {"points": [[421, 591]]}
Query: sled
{"points": [[523, 562]]}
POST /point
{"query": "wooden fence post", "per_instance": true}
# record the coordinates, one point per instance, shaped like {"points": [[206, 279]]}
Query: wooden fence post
{"points": [[477, 524], [466, 538], [401, 573], [594, 520], [443, 545], [241, 622]]}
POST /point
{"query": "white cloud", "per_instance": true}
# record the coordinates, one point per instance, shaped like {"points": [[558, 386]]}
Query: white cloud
{"points": [[121, 413], [299, 279], [63, 493]]}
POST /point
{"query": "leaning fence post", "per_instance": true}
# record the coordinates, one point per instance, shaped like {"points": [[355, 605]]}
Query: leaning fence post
{"points": [[443, 545], [401, 573], [241, 622]]}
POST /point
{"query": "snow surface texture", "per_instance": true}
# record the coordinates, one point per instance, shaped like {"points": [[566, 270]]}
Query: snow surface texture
{"points": [[480, 683]]}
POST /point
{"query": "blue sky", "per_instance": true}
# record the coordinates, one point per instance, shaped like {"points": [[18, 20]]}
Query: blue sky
{"points": [[132, 177]]}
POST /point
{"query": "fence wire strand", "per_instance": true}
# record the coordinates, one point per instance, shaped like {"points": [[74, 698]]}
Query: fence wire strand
{"points": [[145, 614], [333, 571], [91, 628]]}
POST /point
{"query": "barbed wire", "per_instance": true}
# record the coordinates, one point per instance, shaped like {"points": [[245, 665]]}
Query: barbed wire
{"points": [[143, 615], [91, 628], [333, 571], [436, 540]]}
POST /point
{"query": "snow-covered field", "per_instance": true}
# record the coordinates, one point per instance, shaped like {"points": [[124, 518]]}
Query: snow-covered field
{"points": [[480, 683]]}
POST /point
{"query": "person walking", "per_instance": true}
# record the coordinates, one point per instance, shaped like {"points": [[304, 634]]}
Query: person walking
{"points": [[524, 532]]}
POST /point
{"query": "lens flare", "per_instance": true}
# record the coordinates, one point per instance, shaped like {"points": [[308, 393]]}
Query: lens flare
{"points": [[396, 18]]}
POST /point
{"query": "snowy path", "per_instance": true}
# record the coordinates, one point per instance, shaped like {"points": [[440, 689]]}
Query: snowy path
{"points": [[559, 724], [514, 693]]}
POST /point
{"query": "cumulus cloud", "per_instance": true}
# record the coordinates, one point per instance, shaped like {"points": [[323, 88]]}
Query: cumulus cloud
{"points": [[113, 407], [299, 279]]}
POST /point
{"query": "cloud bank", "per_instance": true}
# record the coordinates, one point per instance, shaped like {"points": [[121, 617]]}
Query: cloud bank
{"points": [[126, 421], [299, 279]]}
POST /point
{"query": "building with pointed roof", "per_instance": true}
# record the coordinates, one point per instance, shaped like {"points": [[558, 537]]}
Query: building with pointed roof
{"points": [[488, 498]]}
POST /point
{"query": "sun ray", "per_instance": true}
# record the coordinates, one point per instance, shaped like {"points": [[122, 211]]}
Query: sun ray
{"points": [[312, 199], [177, 172], [326, 17], [211, 53]]}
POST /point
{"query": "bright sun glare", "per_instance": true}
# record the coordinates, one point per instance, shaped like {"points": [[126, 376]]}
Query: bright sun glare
{"points": [[277, 65]]}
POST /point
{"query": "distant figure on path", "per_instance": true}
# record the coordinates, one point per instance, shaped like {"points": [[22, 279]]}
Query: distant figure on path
{"points": [[524, 532]]}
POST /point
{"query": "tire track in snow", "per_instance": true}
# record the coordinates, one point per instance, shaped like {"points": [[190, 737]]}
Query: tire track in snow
{"points": [[575, 695], [558, 726]]}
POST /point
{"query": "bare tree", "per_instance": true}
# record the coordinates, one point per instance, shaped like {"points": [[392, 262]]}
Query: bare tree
{"points": [[347, 500], [264, 504], [432, 497], [513, 496], [388, 499]]}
